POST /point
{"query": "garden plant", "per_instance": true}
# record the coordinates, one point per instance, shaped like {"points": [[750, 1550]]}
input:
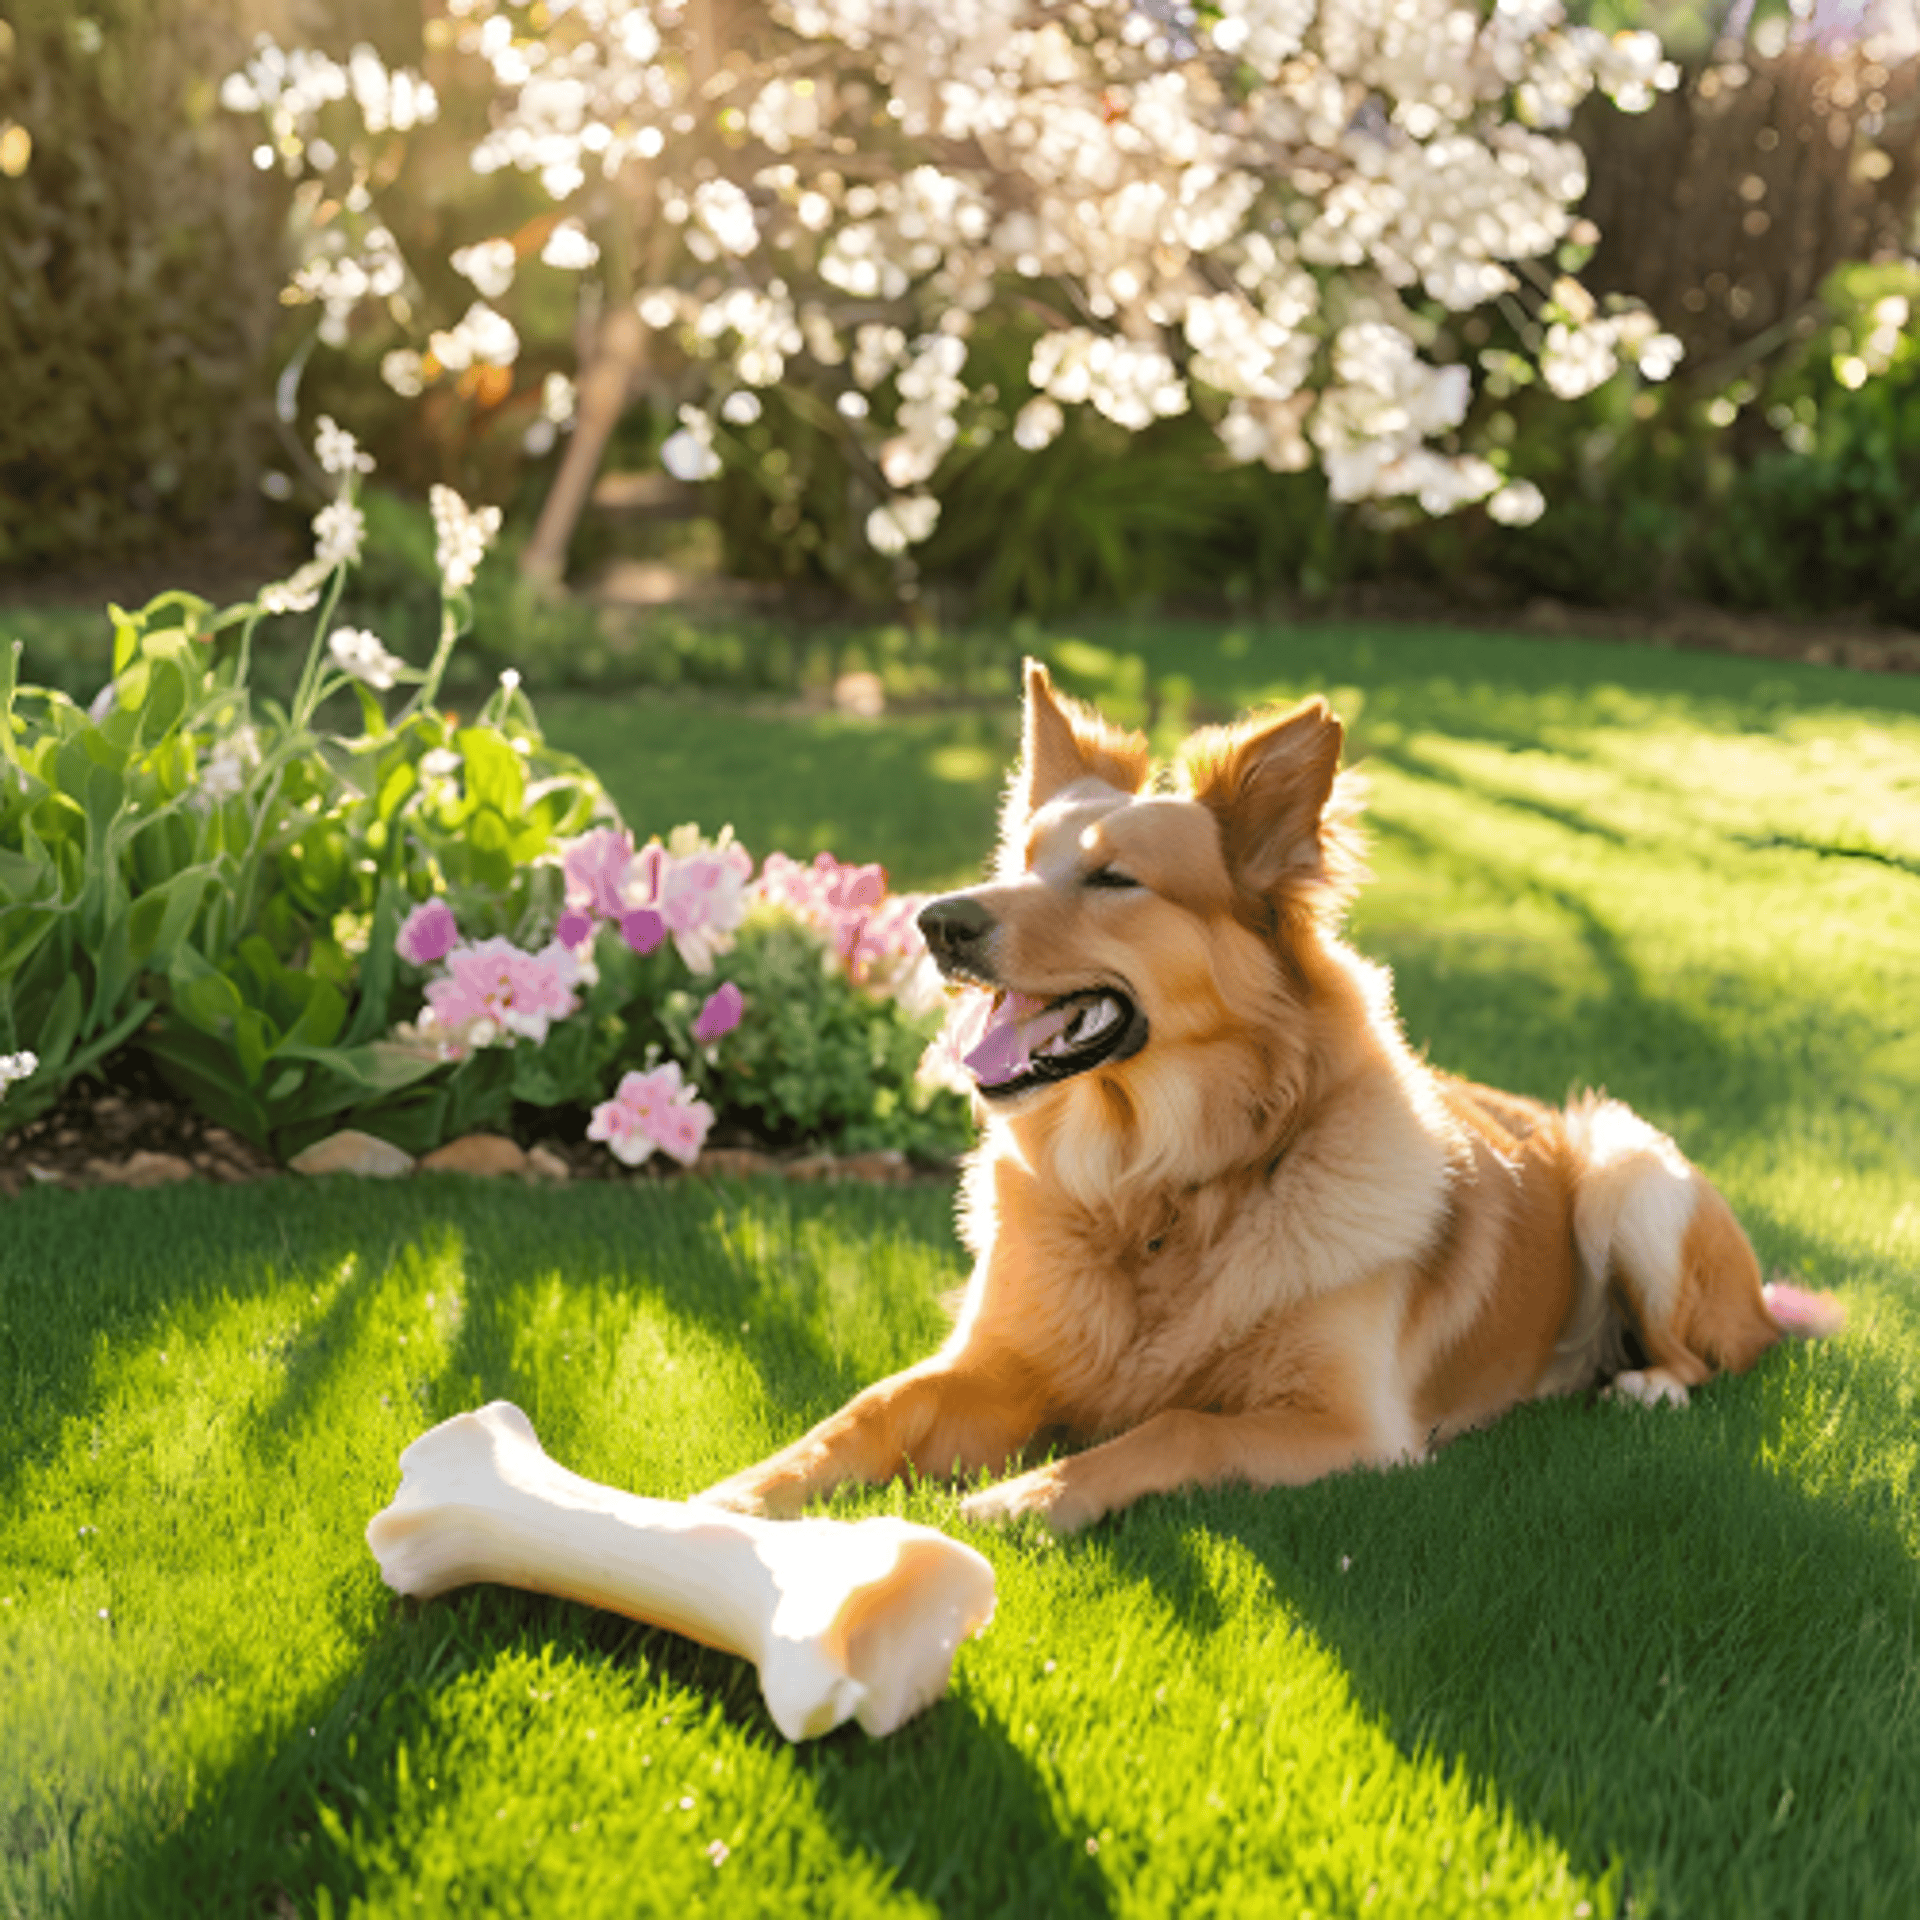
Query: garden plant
{"points": [[421, 928]]}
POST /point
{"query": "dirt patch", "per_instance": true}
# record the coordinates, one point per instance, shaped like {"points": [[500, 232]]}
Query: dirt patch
{"points": [[135, 1132]]}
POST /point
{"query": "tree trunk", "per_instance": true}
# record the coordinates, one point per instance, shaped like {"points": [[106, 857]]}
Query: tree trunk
{"points": [[620, 342]]}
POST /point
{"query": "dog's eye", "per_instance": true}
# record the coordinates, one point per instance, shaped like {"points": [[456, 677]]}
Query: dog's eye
{"points": [[1109, 877]]}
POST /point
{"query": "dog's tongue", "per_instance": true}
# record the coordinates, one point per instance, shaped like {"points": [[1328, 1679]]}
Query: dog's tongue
{"points": [[1017, 1027]]}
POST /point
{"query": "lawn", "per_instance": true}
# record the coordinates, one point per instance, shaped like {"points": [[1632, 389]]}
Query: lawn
{"points": [[1599, 1657]]}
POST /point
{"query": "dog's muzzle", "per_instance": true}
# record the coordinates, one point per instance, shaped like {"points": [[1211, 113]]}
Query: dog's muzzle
{"points": [[955, 929], [1023, 1042]]}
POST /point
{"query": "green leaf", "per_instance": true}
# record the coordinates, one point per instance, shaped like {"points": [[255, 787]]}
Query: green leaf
{"points": [[320, 1020], [494, 777], [368, 1071], [373, 716], [58, 1031], [126, 637], [399, 782], [162, 917], [115, 1037], [378, 964], [205, 1071], [286, 1084], [253, 1038], [130, 686], [202, 995]]}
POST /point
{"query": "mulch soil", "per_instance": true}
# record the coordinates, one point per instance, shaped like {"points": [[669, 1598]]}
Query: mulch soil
{"points": [[133, 1131]]}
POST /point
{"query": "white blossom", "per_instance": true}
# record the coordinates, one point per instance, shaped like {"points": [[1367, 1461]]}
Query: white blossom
{"points": [[404, 371], [16, 1066], [300, 591], [1576, 359], [1038, 424], [359, 653], [902, 523], [1659, 355], [337, 450], [338, 529], [462, 535], [688, 453], [225, 774], [482, 338], [570, 247], [489, 265], [1518, 504], [1230, 210]]}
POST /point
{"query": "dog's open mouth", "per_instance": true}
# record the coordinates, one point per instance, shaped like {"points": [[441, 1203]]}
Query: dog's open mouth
{"points": [[1027, 1042]]}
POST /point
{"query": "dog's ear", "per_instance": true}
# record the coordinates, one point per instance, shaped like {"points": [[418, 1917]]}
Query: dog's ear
{"points": [[1061, 742], [1285, 814]]}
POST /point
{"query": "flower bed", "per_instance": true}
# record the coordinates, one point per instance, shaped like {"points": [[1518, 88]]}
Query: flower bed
{"points": [[420, 927]]}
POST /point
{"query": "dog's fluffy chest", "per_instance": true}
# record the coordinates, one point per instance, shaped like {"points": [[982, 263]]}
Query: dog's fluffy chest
{"points": [[1162, 1299]]}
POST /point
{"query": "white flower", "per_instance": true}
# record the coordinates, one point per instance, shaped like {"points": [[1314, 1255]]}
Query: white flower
{"points": [[299, 592], [1037, 424], [558, 399], [483, 338], [1518, 504], [338, 529], [488, 265], [1659, 356], [569, 246], [1577, 359], [902, 523], [462, 535], [360, 653], [337, 450], [405, 372], [225, 774], [16, 1066], [688, 454]]}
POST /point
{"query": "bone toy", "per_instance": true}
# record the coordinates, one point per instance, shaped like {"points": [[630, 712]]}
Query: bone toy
{"points": [[842, 1618]]}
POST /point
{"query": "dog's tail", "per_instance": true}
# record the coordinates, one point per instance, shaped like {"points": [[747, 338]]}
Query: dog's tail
{"points": [[1803, 1315]]}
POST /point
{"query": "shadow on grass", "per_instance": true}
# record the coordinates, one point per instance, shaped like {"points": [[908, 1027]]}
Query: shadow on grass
{"points": [[325, 1814], [313, 1806], [57, 1316], [1631, 1631]]}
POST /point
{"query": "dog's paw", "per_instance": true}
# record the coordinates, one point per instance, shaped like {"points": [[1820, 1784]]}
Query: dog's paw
{"points": [[1656, 1387], [1046, 1492], [760, 1500]]}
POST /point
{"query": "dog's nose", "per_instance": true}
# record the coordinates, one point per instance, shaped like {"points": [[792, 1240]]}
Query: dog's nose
{"points": [[953, 928]]}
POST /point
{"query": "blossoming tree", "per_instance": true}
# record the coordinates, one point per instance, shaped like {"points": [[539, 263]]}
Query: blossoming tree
{"points": [[1268, 211]]}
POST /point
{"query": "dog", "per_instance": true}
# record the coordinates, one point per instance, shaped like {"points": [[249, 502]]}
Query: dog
{"points": [[1226, 1223]]}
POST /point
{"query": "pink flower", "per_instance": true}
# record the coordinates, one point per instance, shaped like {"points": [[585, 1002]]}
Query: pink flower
{"points": [[493, 985], [429, 934], [575, 928], [597, 866], [642, 929], [872, 933], [652, 1110], [720, 1015], [702, 898]]}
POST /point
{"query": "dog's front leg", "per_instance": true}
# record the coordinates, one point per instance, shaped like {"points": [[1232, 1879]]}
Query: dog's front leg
{"points": [[955, 1413], [1275, 1447]]}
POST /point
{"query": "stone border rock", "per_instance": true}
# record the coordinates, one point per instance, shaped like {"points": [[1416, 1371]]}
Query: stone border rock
{"points": [[149, 1139]]}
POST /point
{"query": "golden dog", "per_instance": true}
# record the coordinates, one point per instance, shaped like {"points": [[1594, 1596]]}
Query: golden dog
{"points": [[1223, 1219]]}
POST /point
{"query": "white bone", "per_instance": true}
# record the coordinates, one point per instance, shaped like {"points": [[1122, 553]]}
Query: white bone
{"points": [[859, 1618]]}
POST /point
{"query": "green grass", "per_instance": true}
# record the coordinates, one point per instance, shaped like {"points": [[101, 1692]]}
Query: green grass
{"points": [[1650, 1662]]}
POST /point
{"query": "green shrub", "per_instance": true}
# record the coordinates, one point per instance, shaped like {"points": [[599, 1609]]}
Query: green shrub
{"points": [[141, 281], [233, 884]]}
